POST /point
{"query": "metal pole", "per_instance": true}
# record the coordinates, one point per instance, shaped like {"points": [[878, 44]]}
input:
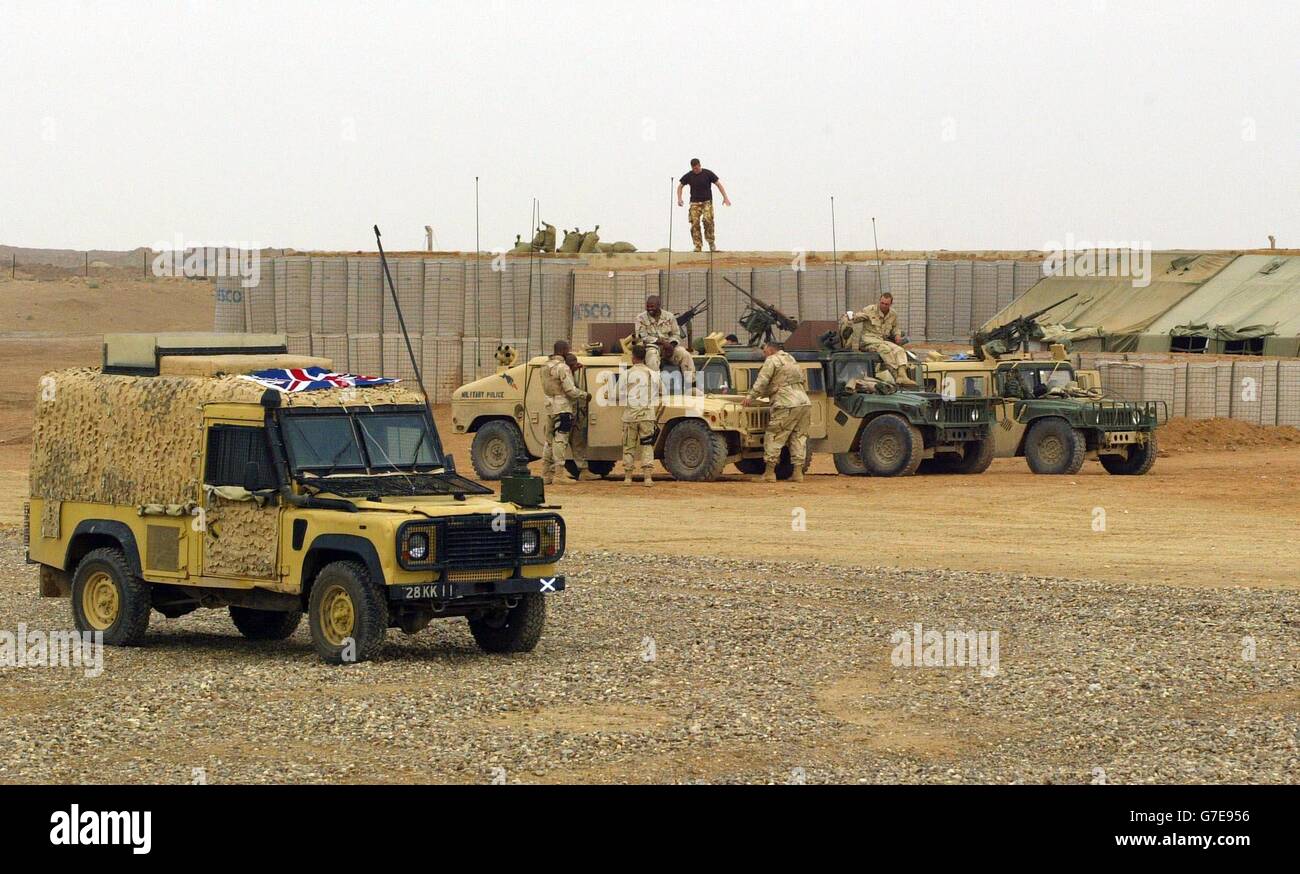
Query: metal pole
{"points": [[835, 259], [478, 307], [880, 284], [669, 293]]}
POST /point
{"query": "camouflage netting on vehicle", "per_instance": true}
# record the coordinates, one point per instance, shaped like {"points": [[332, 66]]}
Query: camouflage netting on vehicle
{"points": [[136, 440]]}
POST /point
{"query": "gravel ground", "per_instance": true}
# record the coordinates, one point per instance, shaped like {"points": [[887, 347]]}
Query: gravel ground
{"points": [[694, 670]]}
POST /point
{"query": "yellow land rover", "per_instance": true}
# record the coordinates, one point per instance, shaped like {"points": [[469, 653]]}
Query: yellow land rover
{"points": [[172, 478]]}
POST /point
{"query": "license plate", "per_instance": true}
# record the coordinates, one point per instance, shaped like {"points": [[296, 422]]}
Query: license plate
{"points": [[425, 592]]}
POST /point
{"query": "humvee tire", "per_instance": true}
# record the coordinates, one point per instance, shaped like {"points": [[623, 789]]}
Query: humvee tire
{"points": [[265, 624], [785, 467], [347, 614], [496, 446], [1053, 446], [849, 464], [977, 458], [515, 629], [599, 468], [891, 446], [108, 598], [693, 453], [1141, 457]]}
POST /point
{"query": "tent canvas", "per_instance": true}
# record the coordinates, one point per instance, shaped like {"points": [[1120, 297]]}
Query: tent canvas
{"points": [[1110, 310], [1254, 296]]}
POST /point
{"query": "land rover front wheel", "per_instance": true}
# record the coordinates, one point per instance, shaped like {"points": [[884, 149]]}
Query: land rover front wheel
{"points": [[1053, 446], [1140, 458], [347, 614], [694, 453], [107, 598], [495, 447], [891, 446], [265, 624], [511, 629]]}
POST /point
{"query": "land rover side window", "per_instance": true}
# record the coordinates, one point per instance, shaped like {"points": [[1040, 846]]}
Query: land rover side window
{"points": [[230, 450], [322, 442], [396, 439]]}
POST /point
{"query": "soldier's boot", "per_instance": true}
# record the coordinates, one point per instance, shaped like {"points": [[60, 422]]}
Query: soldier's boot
{"points": [[586, 475], [649, 480], [797, 476], [548, 477], [627, 479], [902, 377], [769, 474]]}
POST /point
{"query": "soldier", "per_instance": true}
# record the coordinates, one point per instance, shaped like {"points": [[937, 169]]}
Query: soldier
{"points": [[782, 379], [642, 388], [652, 325], [876, 328], [578, 434], [671, 352], [561, 395]]}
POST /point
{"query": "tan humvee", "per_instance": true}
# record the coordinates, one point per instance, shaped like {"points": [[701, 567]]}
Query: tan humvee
{"points": [[1052, 415], [169, 481], [700, 430]]}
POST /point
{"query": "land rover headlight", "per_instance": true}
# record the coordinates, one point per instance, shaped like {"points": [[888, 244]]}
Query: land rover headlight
{"points": [[417, 546], [530, 540], [541, 539]]}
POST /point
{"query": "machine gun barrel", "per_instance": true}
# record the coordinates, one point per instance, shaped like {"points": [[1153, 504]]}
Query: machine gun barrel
{"points": [[784, 322], [1034, 315], [684, 319]]}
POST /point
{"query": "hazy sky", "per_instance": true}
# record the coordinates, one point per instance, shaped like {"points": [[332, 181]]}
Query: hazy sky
{"points": [[958, 124]]}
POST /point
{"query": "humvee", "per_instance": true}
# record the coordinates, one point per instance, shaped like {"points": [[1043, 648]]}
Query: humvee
{"points": [[1044, 413], [168, 480]]}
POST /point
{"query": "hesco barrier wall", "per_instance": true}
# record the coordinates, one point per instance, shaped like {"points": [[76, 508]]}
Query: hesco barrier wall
{"points": [[457, 311]]}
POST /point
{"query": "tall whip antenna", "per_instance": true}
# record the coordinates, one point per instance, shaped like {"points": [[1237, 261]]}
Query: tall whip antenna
{"points": [[401, 322], [669, 293], [880, 285]]}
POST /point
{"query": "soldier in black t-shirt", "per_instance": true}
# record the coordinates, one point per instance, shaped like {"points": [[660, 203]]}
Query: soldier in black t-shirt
{"points": [[701, 182]]}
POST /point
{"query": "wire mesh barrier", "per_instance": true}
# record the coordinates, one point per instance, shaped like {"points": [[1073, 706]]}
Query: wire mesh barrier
{"points": [[458, 310]]}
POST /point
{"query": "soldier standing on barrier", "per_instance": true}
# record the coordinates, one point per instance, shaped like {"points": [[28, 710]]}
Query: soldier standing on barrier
{"points": [[642, 387], [782, 379], [652, 325], [701, 182], [877, 331], [561, 396]]}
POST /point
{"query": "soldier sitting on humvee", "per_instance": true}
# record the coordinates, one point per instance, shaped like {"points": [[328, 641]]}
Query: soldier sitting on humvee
{"points": [[672, 352]]}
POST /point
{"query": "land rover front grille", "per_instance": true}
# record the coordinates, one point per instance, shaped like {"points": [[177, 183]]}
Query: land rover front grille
{"points": [[481, 542]]}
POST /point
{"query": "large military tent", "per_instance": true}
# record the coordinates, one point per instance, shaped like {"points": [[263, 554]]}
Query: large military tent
{"points": [[1251, 307], [1110, 311]]}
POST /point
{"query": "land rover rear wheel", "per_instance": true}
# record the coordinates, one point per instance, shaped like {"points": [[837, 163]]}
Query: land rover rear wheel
{"points": [[109, 599], [347, 614], [694, 453], [512, 629], [495, 447], [265, 624], [891, 446], [1139, 460], [1053, 446]]}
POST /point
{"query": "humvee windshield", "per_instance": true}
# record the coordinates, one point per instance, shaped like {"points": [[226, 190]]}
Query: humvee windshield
{"points": [[368, 441], [1033, 382], [715, 377]]}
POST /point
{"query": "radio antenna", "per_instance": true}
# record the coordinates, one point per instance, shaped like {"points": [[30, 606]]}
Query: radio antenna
{"points": [[401, 322]]}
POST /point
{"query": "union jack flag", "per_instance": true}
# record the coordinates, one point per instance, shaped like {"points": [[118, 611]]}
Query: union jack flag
{"points": [[294, 379]]}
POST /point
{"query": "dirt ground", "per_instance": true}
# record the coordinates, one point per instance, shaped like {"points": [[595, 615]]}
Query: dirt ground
{"points": [[769, 608]]}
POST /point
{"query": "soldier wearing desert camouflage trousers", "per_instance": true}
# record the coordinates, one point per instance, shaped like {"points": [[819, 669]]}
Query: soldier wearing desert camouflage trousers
{"points": [[782, 379], [562, 394], [642, 387]]}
